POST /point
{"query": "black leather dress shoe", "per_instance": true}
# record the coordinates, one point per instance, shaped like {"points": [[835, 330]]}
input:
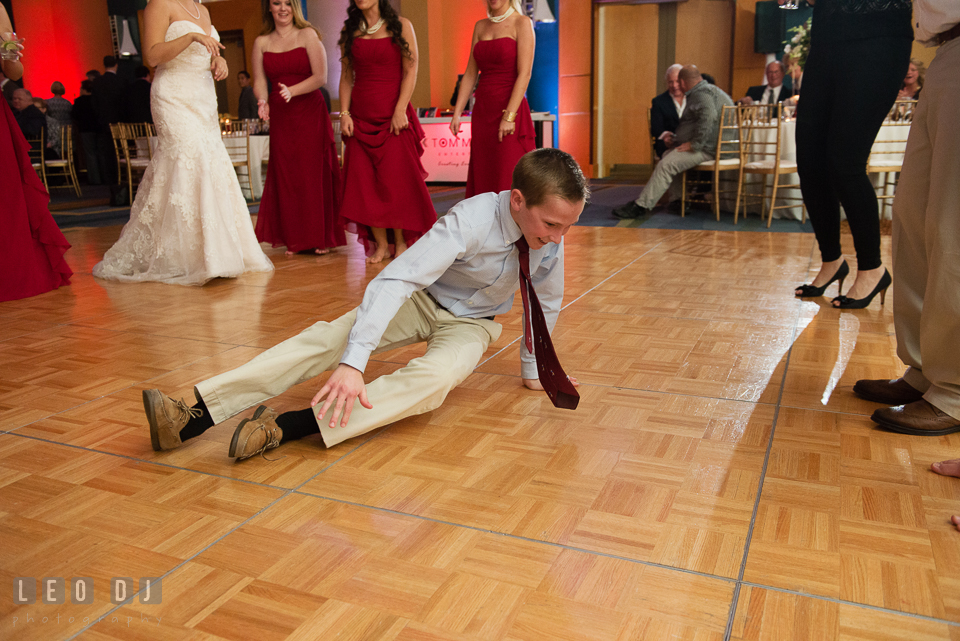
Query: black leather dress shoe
{"points": [[630, 210]]}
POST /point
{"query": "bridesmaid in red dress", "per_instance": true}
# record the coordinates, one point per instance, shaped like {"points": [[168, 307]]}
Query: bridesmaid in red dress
{"points": [[300, 207], [31, 245], [383, 178], [501, 126]]}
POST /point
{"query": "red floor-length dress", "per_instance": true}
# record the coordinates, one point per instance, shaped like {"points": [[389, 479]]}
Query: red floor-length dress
{"points": [[492, 161], [31, 244], [383, 178], [300, 207]]}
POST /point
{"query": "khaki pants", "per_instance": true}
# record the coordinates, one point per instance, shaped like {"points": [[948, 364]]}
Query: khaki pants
{"points": [[926, 239], [673, 164], [454, 347]]}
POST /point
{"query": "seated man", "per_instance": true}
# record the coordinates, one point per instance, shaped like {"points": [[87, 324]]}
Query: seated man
{"points": [[695, 140], [777, 89], [31, 120], [444, 290], [665, 111]]}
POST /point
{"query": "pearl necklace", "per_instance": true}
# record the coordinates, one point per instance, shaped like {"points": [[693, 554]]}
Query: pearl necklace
{"points": [[498, 19], [371, 30], [185, 9]]}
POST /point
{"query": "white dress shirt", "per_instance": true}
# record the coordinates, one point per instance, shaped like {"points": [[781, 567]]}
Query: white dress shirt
{"points": [[468, 262], [933, 17], [680, 105]]}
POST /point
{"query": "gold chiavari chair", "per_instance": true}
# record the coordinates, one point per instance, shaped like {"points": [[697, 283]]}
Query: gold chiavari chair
{"points": [[886, 155], [728, 159], [236, 138], [63, 167], [133, 140], [37, 153], [762, 146], [117, 133]]}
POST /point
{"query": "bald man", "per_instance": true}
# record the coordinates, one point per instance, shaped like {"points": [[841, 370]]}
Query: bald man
{"points": [[695, 141]]}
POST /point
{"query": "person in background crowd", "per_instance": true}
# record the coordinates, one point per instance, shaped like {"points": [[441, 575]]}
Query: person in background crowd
{"points": [[85, 117], [844, 104], [665, 111], [779, 87], [384, 191], [31, 120], [695, 141], [59, 107], [136, 107], [913, 83], [108, 98], [499, 68], [31, 244], [925, 401], [92, 75], [247, 107], [53, 129], [300, 206]]}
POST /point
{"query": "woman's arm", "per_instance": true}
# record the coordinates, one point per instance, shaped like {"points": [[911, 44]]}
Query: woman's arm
{"points": [[11, 68], [346, 89], [526, 42], [409, 82], [318, 64], [467, 84], [260, 78], [156, 19]]}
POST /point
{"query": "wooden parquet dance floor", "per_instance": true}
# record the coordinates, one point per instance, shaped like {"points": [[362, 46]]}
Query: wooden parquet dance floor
{"points": [[719, 481]]}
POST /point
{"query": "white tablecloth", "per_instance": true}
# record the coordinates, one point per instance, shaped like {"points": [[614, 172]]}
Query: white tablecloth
{"points": [[259, 154], [788, 151]]}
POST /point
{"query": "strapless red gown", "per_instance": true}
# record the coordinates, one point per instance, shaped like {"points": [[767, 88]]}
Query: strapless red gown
{"points": [[492, 161], [300, 207], [383, 178], [31, 244]]}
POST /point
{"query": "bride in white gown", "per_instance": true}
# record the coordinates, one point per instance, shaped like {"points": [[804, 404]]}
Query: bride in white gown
{"points": [[189, 222]]}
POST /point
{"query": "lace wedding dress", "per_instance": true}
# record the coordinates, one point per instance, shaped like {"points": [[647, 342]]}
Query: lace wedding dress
{"points": [[189, 222]]}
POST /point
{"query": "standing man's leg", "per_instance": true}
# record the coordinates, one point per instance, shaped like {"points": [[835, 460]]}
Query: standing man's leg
{"points": [[927, 257]]}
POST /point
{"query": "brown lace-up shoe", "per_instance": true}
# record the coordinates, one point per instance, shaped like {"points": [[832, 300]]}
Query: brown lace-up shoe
{"points": [[256, 435], [919, 418], [166, 417], [895, 392]]}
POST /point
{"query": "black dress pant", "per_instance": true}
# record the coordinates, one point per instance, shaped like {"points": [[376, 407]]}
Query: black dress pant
{"points": [[848, 88], [108, 160]]}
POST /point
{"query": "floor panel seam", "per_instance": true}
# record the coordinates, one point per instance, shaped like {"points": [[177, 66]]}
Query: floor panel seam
{"points": [[728, 633]]}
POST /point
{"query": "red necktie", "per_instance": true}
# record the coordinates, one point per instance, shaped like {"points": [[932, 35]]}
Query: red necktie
{"points": [[555, 383]]}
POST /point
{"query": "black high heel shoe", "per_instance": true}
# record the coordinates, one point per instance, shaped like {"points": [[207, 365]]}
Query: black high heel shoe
{"points": [[860, 303], [809, 291]]}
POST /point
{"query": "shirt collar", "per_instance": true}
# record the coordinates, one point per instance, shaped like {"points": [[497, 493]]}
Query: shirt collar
{"points": [[508, 226]]}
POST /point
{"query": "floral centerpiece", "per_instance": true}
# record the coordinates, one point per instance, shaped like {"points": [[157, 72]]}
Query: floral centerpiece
{"points": [[798, 48]]}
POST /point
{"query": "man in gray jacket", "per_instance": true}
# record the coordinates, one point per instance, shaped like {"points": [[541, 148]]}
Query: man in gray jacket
{"points": [[694, 142]]}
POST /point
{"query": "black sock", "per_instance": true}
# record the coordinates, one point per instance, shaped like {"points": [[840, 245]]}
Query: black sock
{"points": [[296, 425], [197, 425]]}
